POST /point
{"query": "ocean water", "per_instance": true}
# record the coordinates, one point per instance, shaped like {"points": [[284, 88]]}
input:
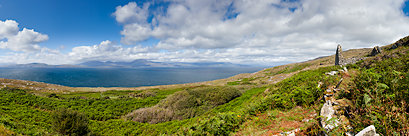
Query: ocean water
{"points": [[122, 77]]}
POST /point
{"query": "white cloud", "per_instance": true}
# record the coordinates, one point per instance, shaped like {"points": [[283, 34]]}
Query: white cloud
{"points": [[132, 13], [25, 40], [266, 32], [8, 28], [106, 51], [297, 30]]}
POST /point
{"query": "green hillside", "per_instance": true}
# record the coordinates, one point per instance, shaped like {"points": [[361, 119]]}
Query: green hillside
{"points": [[271, 101]]}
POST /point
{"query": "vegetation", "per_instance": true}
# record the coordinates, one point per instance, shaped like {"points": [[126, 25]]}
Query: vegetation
{"points": [[377, 86], [287, 69], [381, 92], [69, 122], [185, 104]]}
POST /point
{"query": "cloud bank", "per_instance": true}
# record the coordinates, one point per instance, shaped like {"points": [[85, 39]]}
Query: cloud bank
{"points": [[25, 40], [265, 32]]}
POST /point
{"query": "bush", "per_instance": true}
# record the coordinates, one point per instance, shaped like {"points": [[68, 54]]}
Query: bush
{"points": [[146, 94], [53, 95], [5, 132], [221, 124], [185, 104], [69, 122]]}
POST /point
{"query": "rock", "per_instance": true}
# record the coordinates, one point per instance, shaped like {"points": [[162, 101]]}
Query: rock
{"points": [[331, 73], [394, 46], [328, 113], [376, 50], [338, 55], [290, 133], [379, 49], [368, 131], [319, 84]]}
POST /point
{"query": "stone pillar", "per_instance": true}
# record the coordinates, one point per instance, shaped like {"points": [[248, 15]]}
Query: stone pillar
{"points": [[338, 56]]}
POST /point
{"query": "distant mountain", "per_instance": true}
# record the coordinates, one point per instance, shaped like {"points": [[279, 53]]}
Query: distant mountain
{"points": [[146, 63], [42, 65], [206, 64], [135, 63], [139, 63]]}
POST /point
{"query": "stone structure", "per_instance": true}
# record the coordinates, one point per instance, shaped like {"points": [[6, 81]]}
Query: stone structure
{"points": [[341, 61], [376, 50], [335, 113], [338, 55]]}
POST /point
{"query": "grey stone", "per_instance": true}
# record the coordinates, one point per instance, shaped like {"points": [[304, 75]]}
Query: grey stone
{"points": [[368, 131], [338, 56], [331, 73], [376, 50], [328, 113], [394, 46]]}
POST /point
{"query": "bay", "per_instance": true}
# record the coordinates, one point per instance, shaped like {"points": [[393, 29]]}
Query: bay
{"points": [[122, 77]]}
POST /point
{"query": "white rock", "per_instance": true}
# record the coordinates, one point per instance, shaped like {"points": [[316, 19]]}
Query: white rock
{"points": [[368, 131], [331, 73], [328, 112]]}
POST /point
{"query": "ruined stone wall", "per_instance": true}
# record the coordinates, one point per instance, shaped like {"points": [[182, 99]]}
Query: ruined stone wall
{"points": [[341, 61]]}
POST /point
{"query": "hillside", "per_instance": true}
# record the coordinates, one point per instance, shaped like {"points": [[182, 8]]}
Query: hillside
{"points": [[373, 91]]}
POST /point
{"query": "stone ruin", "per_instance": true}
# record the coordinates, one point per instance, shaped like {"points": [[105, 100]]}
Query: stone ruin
{"points": [[341, 61], [338, 55], [336, 113]]}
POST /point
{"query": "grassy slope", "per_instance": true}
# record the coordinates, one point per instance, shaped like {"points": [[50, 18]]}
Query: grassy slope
{"points": [[271, 98]]}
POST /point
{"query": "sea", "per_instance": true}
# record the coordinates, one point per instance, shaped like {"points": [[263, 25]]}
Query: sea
{"points": [[123, 77]]}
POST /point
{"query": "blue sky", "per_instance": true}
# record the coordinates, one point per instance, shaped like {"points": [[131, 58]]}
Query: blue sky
{"points": [[259, 32], [69, 23]]}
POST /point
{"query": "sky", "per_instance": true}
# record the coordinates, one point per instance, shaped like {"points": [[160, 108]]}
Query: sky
{"points": [[249, 32]]}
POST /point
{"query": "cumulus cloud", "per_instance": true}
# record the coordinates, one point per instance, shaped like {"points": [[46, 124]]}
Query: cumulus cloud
{"points": [[267, 32], [106, 51], [131, 13], [8, 28], [25, 40], [295, 30]]}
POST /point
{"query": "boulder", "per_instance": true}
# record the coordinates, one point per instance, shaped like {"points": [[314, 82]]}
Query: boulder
{"points": [[394, 46], [368, 131], [376, 50]]}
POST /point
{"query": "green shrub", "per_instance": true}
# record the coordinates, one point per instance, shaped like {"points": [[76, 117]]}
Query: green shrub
{"points": [[69, 122], [146, 94], [13, 90], [52, 95], [221, 124], [185, 104], [380, 93]]}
